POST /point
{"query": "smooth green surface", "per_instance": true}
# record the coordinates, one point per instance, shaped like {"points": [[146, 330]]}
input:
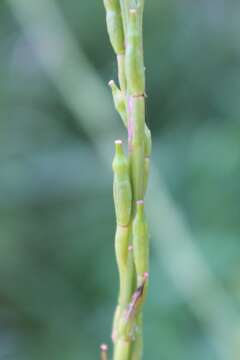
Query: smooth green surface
{"points": [[58, 279]]}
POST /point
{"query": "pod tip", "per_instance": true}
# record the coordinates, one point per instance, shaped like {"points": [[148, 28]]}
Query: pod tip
{"points": [[146, 276], [104, 347], [140, 202], [111, 83], [118, 142]]}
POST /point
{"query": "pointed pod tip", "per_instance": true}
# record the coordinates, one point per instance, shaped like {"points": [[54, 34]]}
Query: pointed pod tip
{"points": [[111, 83], [104, 347], [145, 276], [119, 147], [140, 202]]}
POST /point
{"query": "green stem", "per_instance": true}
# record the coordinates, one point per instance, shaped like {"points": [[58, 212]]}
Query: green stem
{"points": [[130, 179]]}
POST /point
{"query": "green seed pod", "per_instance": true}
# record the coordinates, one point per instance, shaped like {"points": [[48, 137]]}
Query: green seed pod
{"points": [[146, 172], [148, 142], [119, 101], [130, 278], [121, 186], [121, 245], [136, 140], [121, 72], [147, 153], [126, 326], [140, 243], [115, 25], [121, 249], [135, 72]]}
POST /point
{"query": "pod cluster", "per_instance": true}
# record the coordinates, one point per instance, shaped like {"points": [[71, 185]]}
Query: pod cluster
{"points": [[130, 175]]}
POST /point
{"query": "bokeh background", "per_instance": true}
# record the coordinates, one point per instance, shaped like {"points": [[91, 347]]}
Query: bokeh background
{"points": [[58, 278]]}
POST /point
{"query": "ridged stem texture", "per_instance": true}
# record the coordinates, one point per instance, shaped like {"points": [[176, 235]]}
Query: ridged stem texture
{"points": [[124, 24]]}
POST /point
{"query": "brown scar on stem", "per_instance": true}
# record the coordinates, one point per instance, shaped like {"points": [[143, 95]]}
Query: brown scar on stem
{"points": [[137, 295]]}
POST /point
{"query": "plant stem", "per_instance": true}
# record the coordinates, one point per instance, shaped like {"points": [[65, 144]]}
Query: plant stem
{"points": [[130, 176]]}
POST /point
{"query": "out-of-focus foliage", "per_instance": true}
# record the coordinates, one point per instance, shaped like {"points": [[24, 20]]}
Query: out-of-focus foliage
{"points": [[58, 278]]}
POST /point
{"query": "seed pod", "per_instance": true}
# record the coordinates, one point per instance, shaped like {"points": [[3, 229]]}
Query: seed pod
{"points": [[121, 72], [126, 326], [115, 25], [121, 186], [148, 142], [147, 153], [121, 245], [134, 55], [146, 173], [119, 101], [140, 243], [136, 141], [121, 249]]}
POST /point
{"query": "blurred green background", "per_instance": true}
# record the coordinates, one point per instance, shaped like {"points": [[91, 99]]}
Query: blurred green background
{"points": [[58, 278]]}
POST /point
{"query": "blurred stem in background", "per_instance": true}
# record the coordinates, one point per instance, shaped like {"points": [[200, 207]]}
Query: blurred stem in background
{"points": [[59, 53], [124, 25]]}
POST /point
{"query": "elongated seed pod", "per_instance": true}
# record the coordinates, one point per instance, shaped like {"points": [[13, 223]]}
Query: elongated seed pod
{"points": [[121, 72], [119, 101], [136, 141], [146, 173], [123, 327], [134, 56], [130, 278], [140, 242], [121, 186], [147, 153], [115, 25], [148, 142], [121, 249]]}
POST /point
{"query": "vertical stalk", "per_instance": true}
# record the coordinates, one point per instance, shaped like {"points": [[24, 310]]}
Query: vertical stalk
{"points": [[124, 24]]}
